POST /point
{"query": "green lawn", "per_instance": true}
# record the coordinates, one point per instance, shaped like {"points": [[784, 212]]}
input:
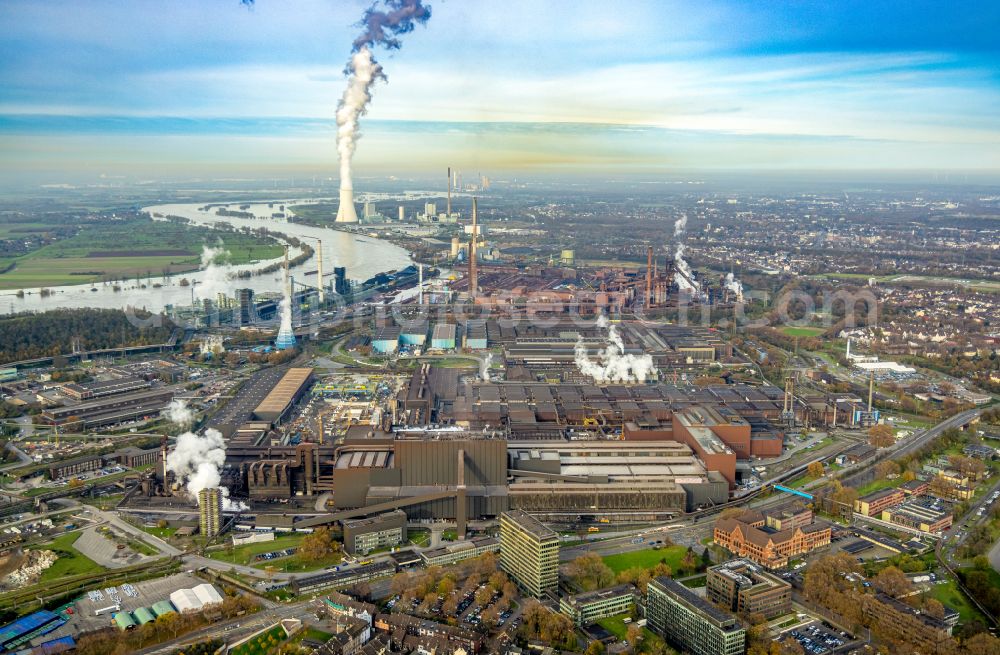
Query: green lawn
{"points": [[878, 485], [262, 643], [647, 558], [296, 563], [71, 561], [244, 554], [162, 533], [949, 594]]}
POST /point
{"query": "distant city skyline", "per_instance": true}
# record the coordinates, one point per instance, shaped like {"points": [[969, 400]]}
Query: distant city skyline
{"points": [[151, 88]]}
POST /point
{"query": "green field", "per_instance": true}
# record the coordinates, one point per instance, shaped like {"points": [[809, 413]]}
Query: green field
{"points": [[318, 214], [139, 247], [262, 643], [244, 554], [647, 559], [949, 594], [71, 561], [803, 331]]}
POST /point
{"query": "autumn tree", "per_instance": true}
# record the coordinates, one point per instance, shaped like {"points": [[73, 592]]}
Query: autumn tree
{"points": [[816, 470], [318, 545], [893, 582], [886, 468], [595, 648], [634, 637], [590, 572], [881, 436]]}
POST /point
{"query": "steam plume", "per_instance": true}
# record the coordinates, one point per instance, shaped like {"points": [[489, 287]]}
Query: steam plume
{"points": [[383, 23], [613, 364], [684, 282], [217, 272], [735, 286], [197, 461], [179, 413]]}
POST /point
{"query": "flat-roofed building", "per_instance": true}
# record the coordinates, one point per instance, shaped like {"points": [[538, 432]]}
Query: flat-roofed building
{"points": [[746, 588], [592, 606], [529, 553], [906, 622], [279, 401], [878, 501], [459, 551], [918, 517], [368, 534], [689, 621]]}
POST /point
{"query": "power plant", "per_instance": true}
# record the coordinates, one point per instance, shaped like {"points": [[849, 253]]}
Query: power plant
{"points": [[346, 212]]}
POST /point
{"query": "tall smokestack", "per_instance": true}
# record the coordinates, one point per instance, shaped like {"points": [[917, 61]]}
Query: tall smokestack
{"points": [[420, 283], [346, 212], [319, 269], [473, 273], [649, 277], [449, 192]]}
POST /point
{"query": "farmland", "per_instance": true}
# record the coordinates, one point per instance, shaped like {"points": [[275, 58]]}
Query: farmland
{"points": [[137, 247]]}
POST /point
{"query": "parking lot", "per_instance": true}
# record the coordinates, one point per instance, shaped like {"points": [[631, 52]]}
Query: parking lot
{"points": [[817, 639], [240, 408], [85, 619]]}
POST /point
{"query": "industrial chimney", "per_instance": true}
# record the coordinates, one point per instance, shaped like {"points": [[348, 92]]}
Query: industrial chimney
{"points": [[346, 212]]}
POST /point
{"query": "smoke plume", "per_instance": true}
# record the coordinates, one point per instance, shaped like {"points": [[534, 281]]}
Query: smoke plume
{"points": [[217, 271], [197, 462], [686, 281], [484, 368], [735, 286], [383, 23], [179, 413], [613, 364], [680, 225]]}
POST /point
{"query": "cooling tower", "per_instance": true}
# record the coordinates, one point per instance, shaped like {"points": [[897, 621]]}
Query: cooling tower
{"points": [[346, 212]]}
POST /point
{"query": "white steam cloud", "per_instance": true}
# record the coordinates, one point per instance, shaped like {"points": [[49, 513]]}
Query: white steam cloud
{"points": [[365, 71], [197, 462], [216, 274], [179, 413], [286, 311], [382, 24], [735, 286], [613, 364], [685, 281], [484, 369]]}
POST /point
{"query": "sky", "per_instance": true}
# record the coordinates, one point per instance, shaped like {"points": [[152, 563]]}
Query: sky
{"points": [[214, 87]]}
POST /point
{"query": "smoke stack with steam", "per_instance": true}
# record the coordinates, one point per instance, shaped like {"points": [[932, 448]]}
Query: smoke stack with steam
{"points": [[382, 23]]}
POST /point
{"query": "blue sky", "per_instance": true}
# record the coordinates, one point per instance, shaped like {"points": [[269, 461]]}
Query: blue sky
{"points": [[186, 85]]}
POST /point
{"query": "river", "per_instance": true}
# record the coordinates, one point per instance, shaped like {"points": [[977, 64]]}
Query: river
{"points": [[363, 256]]}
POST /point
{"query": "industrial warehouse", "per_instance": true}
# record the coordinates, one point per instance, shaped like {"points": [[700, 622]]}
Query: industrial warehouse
{"points": [[450, 446]]}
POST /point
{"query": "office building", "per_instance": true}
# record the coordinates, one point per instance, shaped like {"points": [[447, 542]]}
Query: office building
{"points": [[689, 621], [917, 516], [210, 511], [586, 608], [382, 531], [748, 589], [529, 553], [877, 502]]}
